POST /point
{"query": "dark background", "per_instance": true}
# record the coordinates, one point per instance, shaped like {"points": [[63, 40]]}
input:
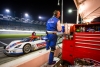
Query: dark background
{"points": [[37, 8]]}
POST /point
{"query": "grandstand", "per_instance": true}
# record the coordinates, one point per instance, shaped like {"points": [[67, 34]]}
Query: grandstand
{"points": [[10, 23]]}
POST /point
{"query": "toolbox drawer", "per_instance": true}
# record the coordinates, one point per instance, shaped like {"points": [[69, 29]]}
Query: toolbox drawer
{"points": [[67, 56], [67, 45]]}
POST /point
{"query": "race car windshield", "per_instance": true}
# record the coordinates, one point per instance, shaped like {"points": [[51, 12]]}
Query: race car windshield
{"points": [[29, 39], [26, 39]]}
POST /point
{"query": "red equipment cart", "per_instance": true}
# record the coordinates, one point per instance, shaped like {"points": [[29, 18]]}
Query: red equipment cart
{"points": [[84, 47]]}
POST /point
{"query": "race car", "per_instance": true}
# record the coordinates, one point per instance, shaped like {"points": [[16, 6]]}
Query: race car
{"points": [[24, 46]]}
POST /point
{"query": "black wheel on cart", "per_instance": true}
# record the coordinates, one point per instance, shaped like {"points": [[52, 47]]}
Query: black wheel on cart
{"points": [[65, 63]]}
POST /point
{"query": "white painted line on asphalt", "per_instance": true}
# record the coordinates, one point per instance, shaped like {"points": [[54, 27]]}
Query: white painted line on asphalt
{"points": [[3, 43], [1, 47]]}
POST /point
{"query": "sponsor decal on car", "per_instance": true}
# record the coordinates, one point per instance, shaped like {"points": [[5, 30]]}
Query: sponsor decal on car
{"points": [[13, 45], [43, 44]]}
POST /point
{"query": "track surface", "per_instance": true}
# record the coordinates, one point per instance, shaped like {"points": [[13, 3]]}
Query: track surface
{"points": [[3, 57], [7, 41]]}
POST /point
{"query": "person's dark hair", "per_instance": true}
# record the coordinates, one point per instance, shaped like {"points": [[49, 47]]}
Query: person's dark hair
{"points": [[55, 12], [33, 33]]}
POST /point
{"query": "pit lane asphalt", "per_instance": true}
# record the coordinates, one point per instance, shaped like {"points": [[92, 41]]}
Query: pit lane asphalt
{"points": [[3, 57], [7, 41]]}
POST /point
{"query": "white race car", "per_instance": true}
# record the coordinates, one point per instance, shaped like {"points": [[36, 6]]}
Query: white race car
{"points": [[23, 46]]}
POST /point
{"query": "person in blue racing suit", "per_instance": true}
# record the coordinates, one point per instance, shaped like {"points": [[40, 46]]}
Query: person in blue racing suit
{"points": [[52, 27]]}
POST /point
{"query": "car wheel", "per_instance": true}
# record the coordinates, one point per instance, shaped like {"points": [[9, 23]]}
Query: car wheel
{"points": [[27, 48]]}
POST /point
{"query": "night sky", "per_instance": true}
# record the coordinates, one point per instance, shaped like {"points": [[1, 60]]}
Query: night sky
{"points": [[37, 8]]}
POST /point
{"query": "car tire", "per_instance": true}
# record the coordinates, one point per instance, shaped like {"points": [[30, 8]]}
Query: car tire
{"points": [[26, 48]]}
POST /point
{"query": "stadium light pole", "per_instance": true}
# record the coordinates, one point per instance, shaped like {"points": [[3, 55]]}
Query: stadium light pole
{"points": [[77, 19], [61, 10]]}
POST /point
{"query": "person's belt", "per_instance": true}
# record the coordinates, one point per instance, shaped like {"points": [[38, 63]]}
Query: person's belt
{"points": [[51, 32]]}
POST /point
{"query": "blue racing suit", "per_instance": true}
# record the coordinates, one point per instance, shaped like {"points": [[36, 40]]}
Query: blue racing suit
{"points": [[52, 38]]}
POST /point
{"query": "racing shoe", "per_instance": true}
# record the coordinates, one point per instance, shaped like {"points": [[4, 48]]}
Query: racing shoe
{"points": [[52, 63]]}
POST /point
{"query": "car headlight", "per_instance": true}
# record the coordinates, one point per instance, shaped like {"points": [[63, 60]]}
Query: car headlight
{"points": [[17, 46]]}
